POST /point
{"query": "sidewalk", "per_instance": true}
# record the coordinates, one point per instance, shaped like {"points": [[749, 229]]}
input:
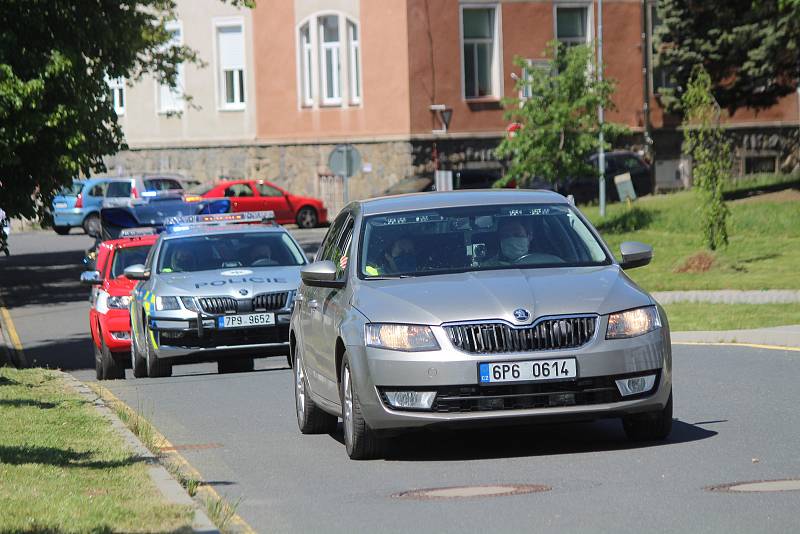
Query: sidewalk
{"points": [[730, 296], [784, 336]]}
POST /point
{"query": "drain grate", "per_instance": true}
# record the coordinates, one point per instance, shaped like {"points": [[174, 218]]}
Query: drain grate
{"points": [[758, 486], [470, 492]]}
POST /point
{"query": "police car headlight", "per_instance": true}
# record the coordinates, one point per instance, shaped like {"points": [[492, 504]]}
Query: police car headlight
{"points": [[119, 303], [633, 323], [167, 303], [407, 337], [189, 303]]}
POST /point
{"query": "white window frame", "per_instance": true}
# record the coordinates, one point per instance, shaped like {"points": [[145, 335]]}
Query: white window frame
{"points": [[239, 86], [497, 58], [541, 64], [118, 96], [589, 7], [312, 67], [354, 61], [335, 48], [306, 64], [178, 91]]}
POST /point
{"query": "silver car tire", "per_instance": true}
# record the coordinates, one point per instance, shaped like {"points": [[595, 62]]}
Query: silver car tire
{"points": [[155, 368], [360, 440], [311, 419], [650, 426], [138, 363]]}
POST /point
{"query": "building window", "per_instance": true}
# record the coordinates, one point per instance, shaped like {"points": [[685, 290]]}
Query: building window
{"points": [[117, 88], [660, 77], [329, 52], [572, 25], [329, 61], [355, 63], [526, 91], [170, 99], [481, 63], [230, 46], [307, 96]]}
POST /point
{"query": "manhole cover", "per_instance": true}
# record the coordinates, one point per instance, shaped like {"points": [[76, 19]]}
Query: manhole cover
{"points": [[759, 486], [468, 492]]}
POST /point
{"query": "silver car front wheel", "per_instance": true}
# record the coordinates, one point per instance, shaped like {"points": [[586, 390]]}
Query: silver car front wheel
{"points": [[311, 419], [360, 440]]}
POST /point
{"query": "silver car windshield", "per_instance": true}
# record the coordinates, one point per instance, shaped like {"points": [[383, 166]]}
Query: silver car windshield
{"points": [[477, 238], [225, 251]]}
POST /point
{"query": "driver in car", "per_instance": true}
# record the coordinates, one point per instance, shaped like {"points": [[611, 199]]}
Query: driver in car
{"points": [[514, 244], [262, 256], [183, 260], [399, 258]]}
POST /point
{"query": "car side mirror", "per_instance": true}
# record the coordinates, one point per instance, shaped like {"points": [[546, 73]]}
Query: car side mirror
{"points": [[321, 274], [137, 272], [635, 254], [91, 278]]}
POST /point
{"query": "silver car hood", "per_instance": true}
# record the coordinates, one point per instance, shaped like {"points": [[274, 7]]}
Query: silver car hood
{"points": [[229, 282], [496, 294]]}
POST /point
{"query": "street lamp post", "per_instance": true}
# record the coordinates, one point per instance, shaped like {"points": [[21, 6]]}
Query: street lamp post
{"points": [[601, 154]]}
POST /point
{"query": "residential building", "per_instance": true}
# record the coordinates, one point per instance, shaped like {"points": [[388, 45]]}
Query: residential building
{"points": [[408, 86]]}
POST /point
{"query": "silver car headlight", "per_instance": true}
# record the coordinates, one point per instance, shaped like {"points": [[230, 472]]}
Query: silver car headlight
{"points": [[167, 303], [632, 323], [407, 337], [119, 303]]}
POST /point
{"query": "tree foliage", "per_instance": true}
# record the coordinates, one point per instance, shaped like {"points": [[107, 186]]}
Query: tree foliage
{"points": [[704, 140], [56, 116], [750, 49], [559, 121]]}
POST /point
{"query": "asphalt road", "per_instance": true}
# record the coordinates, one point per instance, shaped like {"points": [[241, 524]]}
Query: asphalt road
{"points": [[735, 408]]}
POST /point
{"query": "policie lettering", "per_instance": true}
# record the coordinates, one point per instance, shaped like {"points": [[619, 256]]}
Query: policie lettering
{"points": [[243, 280]]}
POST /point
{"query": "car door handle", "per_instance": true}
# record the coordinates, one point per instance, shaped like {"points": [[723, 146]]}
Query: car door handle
{"points": [[313, 304]]}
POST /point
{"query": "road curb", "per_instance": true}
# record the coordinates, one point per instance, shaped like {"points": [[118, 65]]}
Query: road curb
{"points": [[170, 489]]}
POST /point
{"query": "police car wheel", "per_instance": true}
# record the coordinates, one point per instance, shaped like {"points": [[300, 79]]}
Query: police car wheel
{"points": [[138, 363], [112, 370], [235, 365], [155, 368]]}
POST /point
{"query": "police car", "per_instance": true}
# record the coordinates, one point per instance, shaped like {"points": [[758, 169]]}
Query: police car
{"points": [[213, 289]]}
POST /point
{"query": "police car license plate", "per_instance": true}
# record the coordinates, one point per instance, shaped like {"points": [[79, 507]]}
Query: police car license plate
{"points": [[245, 320], [528, 371]]}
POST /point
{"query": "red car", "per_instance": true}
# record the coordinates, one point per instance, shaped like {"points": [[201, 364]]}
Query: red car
{"points": [[259, 195], [109, 318]]}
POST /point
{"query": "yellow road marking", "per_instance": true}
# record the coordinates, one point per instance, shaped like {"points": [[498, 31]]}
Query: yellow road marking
{"points": [[5, 316], [734, 344], [176, 458]]}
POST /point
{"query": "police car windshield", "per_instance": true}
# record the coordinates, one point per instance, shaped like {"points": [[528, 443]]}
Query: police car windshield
{"points": [[226, 251], [477, 238], [125, 257]]}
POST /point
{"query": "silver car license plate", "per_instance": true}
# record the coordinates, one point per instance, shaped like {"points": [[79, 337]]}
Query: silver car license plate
{"points": [[528, 371], [246, 319]]}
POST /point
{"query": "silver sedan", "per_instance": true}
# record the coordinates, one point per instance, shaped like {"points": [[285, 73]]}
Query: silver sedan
{"points": [[474, 307]]}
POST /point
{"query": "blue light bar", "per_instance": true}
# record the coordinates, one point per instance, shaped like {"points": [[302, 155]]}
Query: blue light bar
{"points": [[221, 218]]}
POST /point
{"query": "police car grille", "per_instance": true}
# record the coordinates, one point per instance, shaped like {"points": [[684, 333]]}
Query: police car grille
{"points": [[549, 334], [270, 301], [217, 305]]}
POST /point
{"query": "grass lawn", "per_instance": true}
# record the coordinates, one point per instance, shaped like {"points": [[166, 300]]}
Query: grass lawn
{"points": [[707, 316], [763, 228], [63, 469]]}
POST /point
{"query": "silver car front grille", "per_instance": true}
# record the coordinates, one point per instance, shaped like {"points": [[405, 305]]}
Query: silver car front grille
{"points": [[270, 301], [218, 305], [546, 334]]}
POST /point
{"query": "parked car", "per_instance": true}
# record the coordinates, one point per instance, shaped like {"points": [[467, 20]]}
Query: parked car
{"points": [[586, 188], [475, 308], [80, 203], [109, 319], [259, 195]]}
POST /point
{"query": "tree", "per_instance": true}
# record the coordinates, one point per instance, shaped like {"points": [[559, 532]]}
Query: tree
{"points": [[56, 57], [750, 49], [559, 121], [705, 141]]}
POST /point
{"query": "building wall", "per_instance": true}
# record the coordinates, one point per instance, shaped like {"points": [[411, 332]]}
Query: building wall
{"points": [[144, 126]]}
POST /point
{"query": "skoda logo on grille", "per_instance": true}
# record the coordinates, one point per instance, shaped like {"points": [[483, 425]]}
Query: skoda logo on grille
{"points": [[521, 314], [243, 292]]}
